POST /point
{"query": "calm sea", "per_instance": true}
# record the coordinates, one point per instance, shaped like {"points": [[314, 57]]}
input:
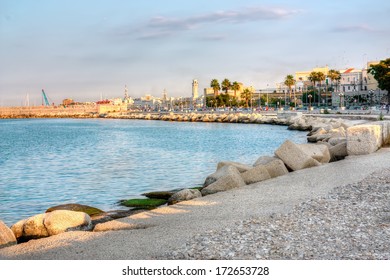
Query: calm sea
{"points": [[47, 162]]}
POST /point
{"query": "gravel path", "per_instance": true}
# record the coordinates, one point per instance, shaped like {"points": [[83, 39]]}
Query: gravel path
{"points": [[351, 222]]}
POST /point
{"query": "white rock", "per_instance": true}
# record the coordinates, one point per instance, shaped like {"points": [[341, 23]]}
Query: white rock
{"points": [[363, 139], [293, 157]]}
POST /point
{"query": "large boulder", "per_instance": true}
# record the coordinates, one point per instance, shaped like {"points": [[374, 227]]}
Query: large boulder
{"points": [[294, 157], [186, 194], [338, 152], [63, 220], [47, 224], [256, 174], [231, 179], [385, 128], [319, 152], [274, 166], [222, 172], [7, 237], [30, 228], [363, 139], [240, 166]]}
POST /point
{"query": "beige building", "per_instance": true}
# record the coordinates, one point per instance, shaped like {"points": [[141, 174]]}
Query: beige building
{"points": [[304, 75]]}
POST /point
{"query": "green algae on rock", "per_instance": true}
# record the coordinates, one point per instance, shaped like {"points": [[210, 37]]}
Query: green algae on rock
{"points": [[144, 203], [91, 211]]}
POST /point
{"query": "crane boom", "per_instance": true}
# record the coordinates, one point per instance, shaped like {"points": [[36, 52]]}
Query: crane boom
{"points": [[45, 98]]}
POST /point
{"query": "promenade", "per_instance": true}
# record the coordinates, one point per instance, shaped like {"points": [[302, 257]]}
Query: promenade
{"points": [[169, 228]]}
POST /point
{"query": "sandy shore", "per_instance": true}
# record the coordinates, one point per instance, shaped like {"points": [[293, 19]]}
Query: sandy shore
{"points": [[167, 229]]}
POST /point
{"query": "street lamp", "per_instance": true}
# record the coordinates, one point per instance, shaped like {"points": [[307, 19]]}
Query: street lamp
{"points": [[280, 102], [341, 94], [309, 96]]}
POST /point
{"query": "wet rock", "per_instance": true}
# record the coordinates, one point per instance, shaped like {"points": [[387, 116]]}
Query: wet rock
{"points": [[144, 203], [186, 194], [159, 194], [91, 211]]}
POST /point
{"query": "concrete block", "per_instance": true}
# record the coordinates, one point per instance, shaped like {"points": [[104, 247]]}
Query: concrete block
{"points": [[363, 139], [256, 174], [319, 152], [294, 157]]}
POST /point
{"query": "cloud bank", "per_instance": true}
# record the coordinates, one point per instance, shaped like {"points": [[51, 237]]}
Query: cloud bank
{"points": [[161, 26]]}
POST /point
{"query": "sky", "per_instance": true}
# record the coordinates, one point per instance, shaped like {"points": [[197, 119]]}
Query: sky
{"points": [[88, 49]]}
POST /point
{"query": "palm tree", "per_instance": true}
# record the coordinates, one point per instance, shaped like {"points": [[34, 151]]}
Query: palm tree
{"points": [[235, 87], [334, 75], [246, 95], [226, 85], [215, 85], [317, 77], [289, 81], [321, 77], [313, 77]]}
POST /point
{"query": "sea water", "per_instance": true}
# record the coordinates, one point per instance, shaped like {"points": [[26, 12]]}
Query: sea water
{"points": [[47, 162]]}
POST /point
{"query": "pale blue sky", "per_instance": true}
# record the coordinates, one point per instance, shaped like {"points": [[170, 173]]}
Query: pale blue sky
{"points": [[82, 49]]}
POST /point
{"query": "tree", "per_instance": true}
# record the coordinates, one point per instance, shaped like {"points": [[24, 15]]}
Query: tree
{"points": [[246, 95], [334, 75], [226, 85], [317, 77], [381, 73], [235, 87], [215, 85], [289, 81]]}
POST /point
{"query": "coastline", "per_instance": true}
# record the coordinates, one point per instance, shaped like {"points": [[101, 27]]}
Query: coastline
{"points": [[262, 200], [168, 228]]}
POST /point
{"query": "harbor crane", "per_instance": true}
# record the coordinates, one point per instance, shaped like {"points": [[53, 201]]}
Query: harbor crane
{"points": [[44, 98]]}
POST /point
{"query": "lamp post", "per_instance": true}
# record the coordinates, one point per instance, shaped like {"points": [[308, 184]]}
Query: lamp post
{"points": [[309, 96], [211, 102], [341, 100], [280, 102]]}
